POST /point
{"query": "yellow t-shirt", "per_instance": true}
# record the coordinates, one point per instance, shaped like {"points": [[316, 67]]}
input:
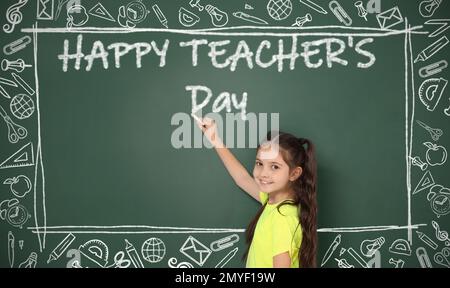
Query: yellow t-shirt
{"points": [[275, 233]]}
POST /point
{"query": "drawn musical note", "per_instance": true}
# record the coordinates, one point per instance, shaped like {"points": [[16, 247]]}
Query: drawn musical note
{"points": [[440, 234], [14, 16]]}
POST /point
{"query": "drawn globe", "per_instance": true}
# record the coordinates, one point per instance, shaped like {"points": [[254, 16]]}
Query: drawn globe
{"points": [[279, 9], [22, 106], [153, 250]]}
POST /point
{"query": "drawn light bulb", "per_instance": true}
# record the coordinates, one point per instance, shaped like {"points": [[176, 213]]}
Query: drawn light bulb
{"points": [[218, 17], [428, 7], [369, 247]]}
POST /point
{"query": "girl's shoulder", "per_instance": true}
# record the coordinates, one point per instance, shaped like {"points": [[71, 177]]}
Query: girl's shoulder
{"points": [[287, 210]]}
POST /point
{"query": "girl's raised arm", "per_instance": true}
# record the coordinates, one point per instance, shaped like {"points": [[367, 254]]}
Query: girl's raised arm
{"points": [[238, 172]]}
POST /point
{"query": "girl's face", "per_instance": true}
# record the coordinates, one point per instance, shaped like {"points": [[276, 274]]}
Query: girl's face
{"points": [[271, 172]]}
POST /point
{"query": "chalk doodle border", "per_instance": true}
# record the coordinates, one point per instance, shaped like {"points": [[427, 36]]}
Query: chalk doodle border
{"points": [[40, 219]]}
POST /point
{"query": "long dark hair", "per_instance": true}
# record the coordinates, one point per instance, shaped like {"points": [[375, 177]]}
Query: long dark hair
{"points": [[295, 154]]}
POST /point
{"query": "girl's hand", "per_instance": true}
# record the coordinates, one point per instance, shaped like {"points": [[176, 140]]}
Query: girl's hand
{"points": [[209, 128]]}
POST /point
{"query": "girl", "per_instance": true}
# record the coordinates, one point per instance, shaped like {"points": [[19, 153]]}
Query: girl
{"points": [[284, 231]]}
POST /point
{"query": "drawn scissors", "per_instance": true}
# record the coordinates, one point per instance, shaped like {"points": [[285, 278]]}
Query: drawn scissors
{"points": [[15, 131], [119, 261], [442, 257], [435, 133]]}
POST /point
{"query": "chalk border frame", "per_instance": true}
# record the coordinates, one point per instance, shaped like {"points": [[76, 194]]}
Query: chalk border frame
{"points": [[41, 229]]}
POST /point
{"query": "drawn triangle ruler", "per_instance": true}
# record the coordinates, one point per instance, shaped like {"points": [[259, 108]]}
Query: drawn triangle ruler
{"points": [[424, 183], [22, 157], [98, 10]]}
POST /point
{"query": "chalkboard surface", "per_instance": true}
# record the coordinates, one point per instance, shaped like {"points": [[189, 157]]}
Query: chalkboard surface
{"points": [[102, 164]]}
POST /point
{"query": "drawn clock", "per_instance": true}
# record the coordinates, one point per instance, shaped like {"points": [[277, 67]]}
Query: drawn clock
{"points": [[14, 213], [439, 198], [136, 11]]}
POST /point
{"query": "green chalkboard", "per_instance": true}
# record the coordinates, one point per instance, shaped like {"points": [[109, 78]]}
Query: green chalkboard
{"points": [[113, 171]]}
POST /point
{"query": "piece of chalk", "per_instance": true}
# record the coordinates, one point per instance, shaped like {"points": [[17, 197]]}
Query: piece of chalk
{"points": [[197, 118]]}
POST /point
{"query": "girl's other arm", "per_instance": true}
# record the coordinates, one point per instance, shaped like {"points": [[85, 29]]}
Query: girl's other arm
{"points": [[282, 260], [238, 172]]}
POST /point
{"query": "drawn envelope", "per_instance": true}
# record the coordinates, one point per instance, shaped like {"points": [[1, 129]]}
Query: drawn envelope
{"points": [[389, 18], [195, 250], [44, 10]]}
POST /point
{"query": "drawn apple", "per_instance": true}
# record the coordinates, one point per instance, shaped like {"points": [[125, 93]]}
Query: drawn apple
{"points": [[436, 154], [20, 185]]}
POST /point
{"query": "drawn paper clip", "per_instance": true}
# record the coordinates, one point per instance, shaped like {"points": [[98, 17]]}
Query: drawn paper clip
{"points": [[224, 242], [17, 45], [424, 260], [432, 69], [340, 13]]}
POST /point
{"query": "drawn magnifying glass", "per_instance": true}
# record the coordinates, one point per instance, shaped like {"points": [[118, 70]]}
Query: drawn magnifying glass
{"points": [[15, 131]]}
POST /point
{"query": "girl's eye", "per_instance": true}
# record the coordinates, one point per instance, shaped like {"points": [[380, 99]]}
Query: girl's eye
{"points": [[274, 167], [258, 164]]}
